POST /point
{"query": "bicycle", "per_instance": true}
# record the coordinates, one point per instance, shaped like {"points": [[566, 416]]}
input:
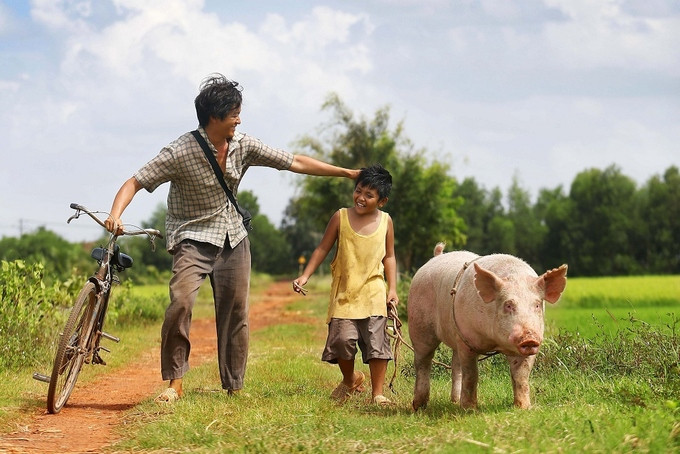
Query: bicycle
{"points": [[83, 331]]}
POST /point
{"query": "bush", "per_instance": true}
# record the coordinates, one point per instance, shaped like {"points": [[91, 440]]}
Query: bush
{"points": [[31, 312], [649, 353], [126, 308]]}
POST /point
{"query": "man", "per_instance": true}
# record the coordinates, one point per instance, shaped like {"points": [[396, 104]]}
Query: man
{"points": [[205, 232]]}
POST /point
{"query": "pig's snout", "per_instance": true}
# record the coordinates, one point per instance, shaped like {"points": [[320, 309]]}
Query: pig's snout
{"points": [[527, 342], [529, 347]]}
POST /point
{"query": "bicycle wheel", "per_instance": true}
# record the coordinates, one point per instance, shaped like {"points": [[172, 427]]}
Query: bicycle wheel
{"points": [[73, 348]]}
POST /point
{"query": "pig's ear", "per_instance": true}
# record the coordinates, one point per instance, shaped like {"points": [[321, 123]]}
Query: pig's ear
{"points": [[487, 283], [553, 283]]}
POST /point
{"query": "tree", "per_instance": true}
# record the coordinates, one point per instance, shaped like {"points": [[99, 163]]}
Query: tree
{"points": [[424, 210], [659, 226], [61, 259], [601, 222], [301, 233], [553, 208], [529, 232], [148, 262], [270, 252], [422, 203]]}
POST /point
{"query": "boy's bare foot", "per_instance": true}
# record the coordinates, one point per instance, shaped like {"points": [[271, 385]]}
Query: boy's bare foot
{"points": [[382, 401], [343, 392]]}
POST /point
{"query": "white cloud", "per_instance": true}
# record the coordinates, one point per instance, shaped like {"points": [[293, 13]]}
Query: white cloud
{"points": [[544, 88], [63, 15], [602, 34]]}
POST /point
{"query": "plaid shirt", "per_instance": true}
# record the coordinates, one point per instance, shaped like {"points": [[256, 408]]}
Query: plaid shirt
{"points": [[198, 208]]}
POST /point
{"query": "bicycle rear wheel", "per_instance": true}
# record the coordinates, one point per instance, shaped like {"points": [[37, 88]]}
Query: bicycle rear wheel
{"points": [[73, 348]]}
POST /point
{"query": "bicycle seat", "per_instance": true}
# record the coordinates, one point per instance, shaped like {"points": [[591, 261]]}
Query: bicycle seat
{"points": [[123, 260], [120, 260]]}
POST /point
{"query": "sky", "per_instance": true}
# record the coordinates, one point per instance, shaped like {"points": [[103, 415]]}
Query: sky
{"points": [[532, 90]]}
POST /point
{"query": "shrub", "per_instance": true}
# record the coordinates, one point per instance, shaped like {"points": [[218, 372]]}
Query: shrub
{"points": [[127, 308], [647, 352], [31, 312]]}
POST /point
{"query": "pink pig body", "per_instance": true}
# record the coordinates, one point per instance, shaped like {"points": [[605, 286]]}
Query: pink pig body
{"points": [[499, 305]]}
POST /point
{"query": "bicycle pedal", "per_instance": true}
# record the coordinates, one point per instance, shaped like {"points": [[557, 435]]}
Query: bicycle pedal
{"points": [[41, 377], [110, 337], [96, 359]]}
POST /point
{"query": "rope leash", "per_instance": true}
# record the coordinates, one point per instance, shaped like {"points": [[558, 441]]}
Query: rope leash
{"points": [[394, 332]]}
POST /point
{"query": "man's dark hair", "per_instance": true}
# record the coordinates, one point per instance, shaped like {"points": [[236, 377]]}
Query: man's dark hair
{"points": [[217, 97], [376, 177]]}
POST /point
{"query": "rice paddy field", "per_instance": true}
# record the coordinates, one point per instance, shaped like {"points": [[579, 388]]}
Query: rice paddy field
{"points": [[592, 305]]}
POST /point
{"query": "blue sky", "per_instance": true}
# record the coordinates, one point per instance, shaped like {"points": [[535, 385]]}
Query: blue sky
{"points": [[537, 90]]}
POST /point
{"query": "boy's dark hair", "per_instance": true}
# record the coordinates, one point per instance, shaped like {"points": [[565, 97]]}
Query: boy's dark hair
{"points": [[376, 177], [217, 97]]}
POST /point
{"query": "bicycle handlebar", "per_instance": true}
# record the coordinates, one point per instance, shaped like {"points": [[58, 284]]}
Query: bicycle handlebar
{"points": [[150, 232]]}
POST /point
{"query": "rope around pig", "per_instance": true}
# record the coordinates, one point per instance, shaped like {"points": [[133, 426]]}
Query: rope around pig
{"points": [[454, 291]]}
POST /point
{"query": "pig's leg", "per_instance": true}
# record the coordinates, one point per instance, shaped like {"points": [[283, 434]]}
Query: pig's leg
{"points": [[469, 376], [422, 362], [520, 368], [455, 377]]}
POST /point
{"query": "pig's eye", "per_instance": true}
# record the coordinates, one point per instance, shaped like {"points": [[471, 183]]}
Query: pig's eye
{"points": [[509, 307], [538, 306]]}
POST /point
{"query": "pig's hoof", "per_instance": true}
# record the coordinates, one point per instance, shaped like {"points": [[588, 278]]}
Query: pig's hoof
{"points": [[469, 406]]}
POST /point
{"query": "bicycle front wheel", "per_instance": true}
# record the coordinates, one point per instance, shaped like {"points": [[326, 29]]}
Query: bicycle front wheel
{"points": [[73, 348]]}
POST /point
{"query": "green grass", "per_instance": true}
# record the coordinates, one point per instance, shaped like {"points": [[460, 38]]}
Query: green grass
{"points": [[585, 398], [593, 305], [622, 292], [287, 409], [285, 406]]}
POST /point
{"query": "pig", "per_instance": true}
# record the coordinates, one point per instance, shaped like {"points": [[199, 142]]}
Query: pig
{"points": [[498, 307]]}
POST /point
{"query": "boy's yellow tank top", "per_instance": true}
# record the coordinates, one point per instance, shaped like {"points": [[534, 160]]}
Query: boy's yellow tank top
{"points": [[358, 288]]}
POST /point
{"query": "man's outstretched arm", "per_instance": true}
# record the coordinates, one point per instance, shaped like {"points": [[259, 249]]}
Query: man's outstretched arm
{"points": [[310, 166]]}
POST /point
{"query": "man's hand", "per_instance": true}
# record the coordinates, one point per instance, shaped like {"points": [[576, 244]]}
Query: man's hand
{"points": [[114, 225]]}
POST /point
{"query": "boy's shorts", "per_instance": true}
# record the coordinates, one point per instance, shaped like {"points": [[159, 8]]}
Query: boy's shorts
{"points": [[343, 335]]}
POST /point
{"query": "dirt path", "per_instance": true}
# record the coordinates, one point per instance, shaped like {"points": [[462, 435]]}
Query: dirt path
{"points": [[87, 422]]}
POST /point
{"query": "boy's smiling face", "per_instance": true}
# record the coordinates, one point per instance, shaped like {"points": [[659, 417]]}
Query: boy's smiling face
{"points": [[366, 199]]}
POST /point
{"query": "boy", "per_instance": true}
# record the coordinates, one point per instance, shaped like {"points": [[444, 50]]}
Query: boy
{"points": [[358, 304]]}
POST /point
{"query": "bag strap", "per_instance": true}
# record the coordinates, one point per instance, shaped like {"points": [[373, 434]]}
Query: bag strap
{"points": [[216, 168]]}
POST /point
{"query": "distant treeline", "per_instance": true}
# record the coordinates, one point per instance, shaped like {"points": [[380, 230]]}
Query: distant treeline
{"points": [[602, 225]]}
